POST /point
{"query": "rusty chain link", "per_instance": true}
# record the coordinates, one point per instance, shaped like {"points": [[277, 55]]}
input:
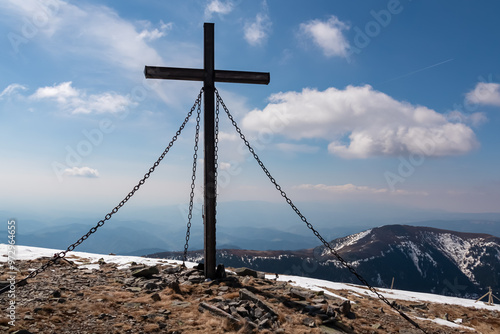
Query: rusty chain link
{"points": [[62, 254], [193, 178], [309, 225]]}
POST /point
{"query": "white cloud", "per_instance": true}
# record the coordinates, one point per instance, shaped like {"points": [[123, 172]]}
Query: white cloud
{"points": [[95, 36], [353, 189], [218, 7], [82, 29], [151, 35], [327, 35], [79, 102], [224, 165], [61, 93], [228, 136], [485, 93], [474, 119], [256, 32], [360, 122], [81, 172], [12, 89]]}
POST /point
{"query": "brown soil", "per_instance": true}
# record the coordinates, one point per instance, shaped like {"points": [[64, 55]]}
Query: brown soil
{"points": [[65, 299]]}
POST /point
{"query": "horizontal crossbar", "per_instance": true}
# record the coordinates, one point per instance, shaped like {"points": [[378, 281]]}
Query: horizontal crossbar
{"points": [[193, 74]]}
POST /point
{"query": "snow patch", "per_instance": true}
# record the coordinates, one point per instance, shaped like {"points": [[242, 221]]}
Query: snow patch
{"points": [[349, 240], [390, 294], [443, 322], [89, 260]]}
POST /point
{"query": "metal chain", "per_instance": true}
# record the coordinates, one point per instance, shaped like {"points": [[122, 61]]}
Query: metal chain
{"points": [[304, 219], [62, 254], [216, 146], [193, 178]]}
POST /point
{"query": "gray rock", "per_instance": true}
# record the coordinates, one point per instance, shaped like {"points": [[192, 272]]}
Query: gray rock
{"points": [[301, 294], [247, 295], [319, 300], [129, 281], [409, 331], [223, 288], [345, 307], [220, 272], [329, 330], [150, 286], [146, 272], [242, 311], [180, 304], [132, 305], [264, 323], [313, 310], [330, 311], [309, 322], [196, 278], [172, 270], [420, 306], [216, 311], [258, 312], [246, 272]]}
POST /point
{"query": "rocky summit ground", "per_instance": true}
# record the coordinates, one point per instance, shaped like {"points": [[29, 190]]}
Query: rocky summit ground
{"points": [[166, 299]]}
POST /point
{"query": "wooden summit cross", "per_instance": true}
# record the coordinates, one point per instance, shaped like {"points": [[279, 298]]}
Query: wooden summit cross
{"points": [[208, 75]]}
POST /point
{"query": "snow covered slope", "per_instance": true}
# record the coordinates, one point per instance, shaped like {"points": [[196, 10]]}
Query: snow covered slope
{"points": [[90, 261], [424, 258]]}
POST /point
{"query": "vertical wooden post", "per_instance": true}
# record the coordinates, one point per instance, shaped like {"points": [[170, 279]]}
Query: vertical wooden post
{"points": [[208, 75], [210, 192]]}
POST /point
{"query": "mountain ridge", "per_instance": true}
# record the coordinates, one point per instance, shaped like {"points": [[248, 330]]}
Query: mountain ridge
{"points": [[422, 259]]}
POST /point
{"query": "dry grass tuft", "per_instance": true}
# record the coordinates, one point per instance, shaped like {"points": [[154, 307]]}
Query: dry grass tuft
{"points": [[175, 297], [123, 326], [187, 289], [246, 329], [56, 319], [231, 295], [230, 326], [281, 318], [151, 328], [46, 310]]}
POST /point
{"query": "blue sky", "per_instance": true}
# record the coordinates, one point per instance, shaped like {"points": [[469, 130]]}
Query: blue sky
{"points": [[384, 104]]}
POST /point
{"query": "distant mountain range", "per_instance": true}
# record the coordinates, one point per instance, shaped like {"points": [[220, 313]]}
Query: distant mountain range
{"points": [[245, 230], [419, 259]]}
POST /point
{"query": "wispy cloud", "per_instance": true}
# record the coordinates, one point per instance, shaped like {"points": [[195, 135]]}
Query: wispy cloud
{"points": [[218, 7], [98, 31], [79, 102], [361, 122], [153, 34], [327, 35], [485, 93], [11, 90], [98, 34], [354, 189], [81, 172], [257, 31], [419, 70]]}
